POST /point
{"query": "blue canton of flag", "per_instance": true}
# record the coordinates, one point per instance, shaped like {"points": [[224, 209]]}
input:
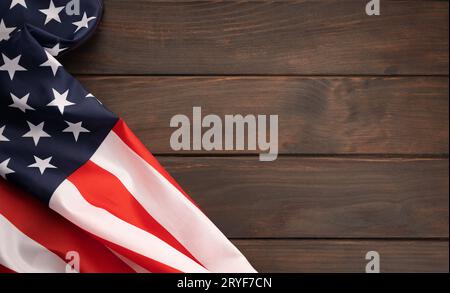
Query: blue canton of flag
{"points": [[49, 124]]}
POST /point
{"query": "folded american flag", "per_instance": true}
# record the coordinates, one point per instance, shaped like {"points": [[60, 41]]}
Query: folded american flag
{"points": [[59, 144]]}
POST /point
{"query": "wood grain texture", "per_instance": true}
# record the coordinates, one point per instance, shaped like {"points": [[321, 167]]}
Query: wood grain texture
{"points": [[331, 37], [336, 256], [319, 197], [317, 115]]}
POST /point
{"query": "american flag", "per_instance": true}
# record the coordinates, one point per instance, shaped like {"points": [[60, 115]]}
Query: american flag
{"points": [[74, 176]]}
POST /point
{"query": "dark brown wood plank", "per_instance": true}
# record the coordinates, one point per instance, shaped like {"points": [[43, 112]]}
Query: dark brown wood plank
{"points": [[267, 37], [336, 256], [317, 115], [319, 197]]}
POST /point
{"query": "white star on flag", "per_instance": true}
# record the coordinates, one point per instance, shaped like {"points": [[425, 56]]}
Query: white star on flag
{"points": [[11, 65], [52, 13], [60, 100], [75, 129], [2, 137], [84, 22], [4, 170], [5, 32], [55, 50], [20, 2], [21, 104], [36, 132], [52, 63], [42, 165]]}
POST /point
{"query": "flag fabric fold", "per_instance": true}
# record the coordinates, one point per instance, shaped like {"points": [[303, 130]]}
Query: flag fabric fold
{"points": [[59, 144]]}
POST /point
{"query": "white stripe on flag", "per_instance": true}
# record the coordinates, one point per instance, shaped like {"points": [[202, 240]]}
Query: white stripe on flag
{"points": [[170, 207], [137, 268], [22, 254], [68, 202]]}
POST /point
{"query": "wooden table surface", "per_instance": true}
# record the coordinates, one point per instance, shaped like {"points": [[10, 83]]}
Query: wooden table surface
{"points": [[363, 105]]}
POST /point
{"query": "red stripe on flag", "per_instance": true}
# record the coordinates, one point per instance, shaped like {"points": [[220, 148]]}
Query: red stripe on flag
{"points": [[103, 190], [55, 233], [5, 270], [127, 136]]}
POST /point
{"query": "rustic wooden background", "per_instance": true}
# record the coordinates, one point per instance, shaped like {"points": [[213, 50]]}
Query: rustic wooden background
{"points": [[363, 104]]}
